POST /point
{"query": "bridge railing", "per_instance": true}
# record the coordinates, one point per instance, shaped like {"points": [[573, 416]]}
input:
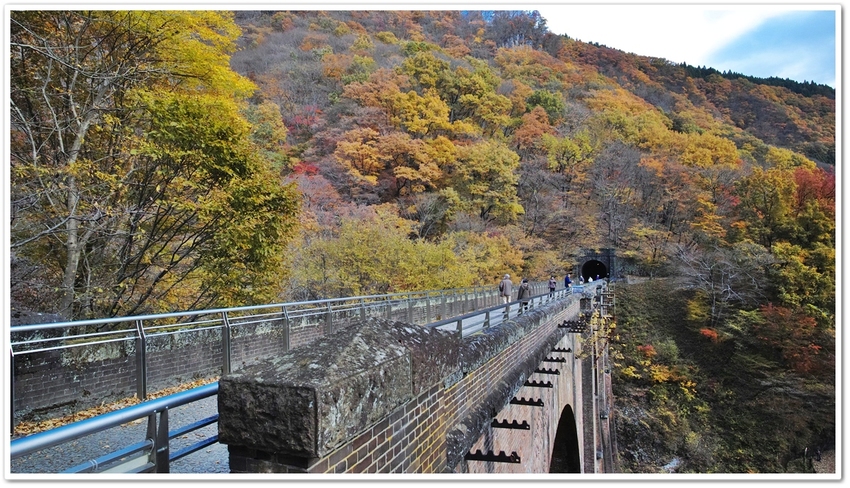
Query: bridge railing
{"points": [[138, 337], [153, 454], [479, 320]]}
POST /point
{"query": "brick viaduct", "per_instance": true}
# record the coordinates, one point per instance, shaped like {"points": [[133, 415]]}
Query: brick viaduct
{"points": [[531, 395]]}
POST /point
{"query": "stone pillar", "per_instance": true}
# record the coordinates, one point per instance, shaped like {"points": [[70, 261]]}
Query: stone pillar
{"points": [[291, 412]]}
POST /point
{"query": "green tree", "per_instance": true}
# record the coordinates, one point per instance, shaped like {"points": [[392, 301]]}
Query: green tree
{"points": [[484, 177], [94, 168], [268, 132], [765, 205], [551, 102]]}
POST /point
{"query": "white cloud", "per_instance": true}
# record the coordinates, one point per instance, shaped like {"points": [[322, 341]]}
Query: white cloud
{"points": [[678, 33]]}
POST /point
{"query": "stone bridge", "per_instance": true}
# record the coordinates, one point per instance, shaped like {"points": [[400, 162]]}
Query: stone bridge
{"points": [[531, 395]]}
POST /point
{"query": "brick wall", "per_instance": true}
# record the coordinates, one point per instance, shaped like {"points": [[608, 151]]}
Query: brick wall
{"points": [[54, 383], [433, 431]]}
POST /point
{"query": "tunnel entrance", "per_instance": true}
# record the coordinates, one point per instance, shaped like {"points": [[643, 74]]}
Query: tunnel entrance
{"points": [[594, 269], [565, 453]]}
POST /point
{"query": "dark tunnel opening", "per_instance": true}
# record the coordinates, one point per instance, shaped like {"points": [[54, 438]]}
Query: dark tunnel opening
{"points": [[594, 269], [565, 452]]}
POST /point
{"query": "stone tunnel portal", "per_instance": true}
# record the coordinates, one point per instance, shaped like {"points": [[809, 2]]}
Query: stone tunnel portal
{"points": [[594, 269]]}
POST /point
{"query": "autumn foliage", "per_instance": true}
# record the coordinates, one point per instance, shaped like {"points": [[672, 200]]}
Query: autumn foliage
{"points": [[173, 160]]}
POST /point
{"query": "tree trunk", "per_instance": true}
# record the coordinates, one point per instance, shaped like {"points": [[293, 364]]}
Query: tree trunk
{"points": [[73, 244]]}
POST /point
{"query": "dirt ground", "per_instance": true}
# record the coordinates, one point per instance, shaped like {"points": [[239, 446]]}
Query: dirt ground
{"points": [[826, 463]]}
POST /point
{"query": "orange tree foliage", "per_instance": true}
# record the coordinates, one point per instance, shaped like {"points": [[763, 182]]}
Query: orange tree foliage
{"points": [[796, 338]]}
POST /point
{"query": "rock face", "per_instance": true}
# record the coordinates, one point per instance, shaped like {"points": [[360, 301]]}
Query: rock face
{"points": [[311, 400]]}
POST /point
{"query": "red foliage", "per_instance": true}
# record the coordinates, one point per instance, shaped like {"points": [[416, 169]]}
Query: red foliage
{"points": [[648, 351], [304, 168], [794, 334], [710, 334], [815, 184]]}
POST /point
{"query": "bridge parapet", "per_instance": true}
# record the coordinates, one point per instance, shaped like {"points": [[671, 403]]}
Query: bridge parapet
{"points": [[388, 396], [311, 400]]}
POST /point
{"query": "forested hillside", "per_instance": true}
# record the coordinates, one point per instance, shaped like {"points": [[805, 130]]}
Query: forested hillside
{"points": [[165, 161]]}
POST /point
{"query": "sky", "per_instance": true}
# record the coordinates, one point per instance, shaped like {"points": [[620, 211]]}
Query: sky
{"points": [[794, 41], [797, 42]]}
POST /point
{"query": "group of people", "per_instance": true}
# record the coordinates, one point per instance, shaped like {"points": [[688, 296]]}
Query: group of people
{"points": [[524, 293]]}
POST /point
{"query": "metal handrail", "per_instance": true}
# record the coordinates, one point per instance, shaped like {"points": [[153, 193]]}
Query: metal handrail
{"points": [[295, 310], [156, 442], [142, 328], [505, 311], [147, 317], [66, 433]]}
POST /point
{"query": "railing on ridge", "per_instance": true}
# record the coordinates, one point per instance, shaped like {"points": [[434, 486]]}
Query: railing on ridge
{"points": [[153, 454]]}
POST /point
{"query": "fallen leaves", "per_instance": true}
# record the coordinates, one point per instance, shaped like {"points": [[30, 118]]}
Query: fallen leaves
{"points": [[29, 428]]}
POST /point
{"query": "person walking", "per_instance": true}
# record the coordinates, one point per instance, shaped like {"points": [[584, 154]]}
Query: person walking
{"points": [[505, 289], [523, 294], [552, 285], [568, 280]]}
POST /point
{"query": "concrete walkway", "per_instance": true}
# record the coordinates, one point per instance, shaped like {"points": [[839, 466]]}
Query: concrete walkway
{"points": [[211, 459]]}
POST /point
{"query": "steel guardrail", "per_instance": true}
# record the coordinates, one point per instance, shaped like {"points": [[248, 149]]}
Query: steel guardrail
{"points": [[156, 455], [415, 307], [155, 444]]}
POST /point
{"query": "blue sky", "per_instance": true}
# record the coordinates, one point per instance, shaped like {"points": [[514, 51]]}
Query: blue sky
{"points": [[788, 41]]}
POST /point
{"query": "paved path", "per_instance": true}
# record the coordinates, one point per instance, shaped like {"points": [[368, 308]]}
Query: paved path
{"points": [[211, 459]]}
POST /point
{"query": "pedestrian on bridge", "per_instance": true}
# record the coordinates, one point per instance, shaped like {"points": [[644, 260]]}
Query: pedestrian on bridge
{"points": [[505, 290], [568, 280], [552, 285], [523, 294]]}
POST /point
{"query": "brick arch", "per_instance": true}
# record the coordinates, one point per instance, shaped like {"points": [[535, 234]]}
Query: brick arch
{"points": [[566, 452]]}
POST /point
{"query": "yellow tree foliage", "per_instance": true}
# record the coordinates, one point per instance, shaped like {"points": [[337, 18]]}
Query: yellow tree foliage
{"points": [[487, 256], [372, 254], [149, 161], [359, 153], [485, 179], [766, 202]]}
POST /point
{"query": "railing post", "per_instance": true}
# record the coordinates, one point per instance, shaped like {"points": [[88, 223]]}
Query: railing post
{"points": [[427, 307], [460, 327], [225, 344], [389, 309], [141, 362], [329, 320], [287, 329], [11, 391], [442, 305], [161, 445], [362, 309], [487, 319], [152, 436], [409, 308]]}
